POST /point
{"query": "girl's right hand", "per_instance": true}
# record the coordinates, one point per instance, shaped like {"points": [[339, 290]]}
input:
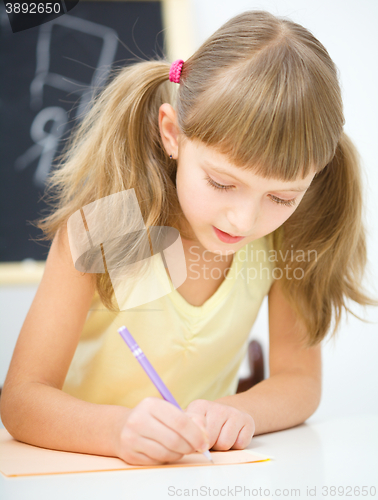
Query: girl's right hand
{"points": [[157, 432]]}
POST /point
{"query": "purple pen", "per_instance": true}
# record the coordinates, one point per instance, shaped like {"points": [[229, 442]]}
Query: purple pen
{"points": [[149, 369]]}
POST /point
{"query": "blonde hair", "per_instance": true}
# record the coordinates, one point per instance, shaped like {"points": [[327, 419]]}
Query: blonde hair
{"points": [[263, 91]]}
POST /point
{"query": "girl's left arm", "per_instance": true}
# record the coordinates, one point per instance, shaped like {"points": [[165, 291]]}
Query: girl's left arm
{"points": [[292, 392]]}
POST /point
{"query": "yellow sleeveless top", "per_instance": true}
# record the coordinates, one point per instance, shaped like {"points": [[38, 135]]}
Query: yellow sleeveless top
{"points": [[197, 351]]}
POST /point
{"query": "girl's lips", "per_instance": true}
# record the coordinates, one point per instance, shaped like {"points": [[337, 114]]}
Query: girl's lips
{"points": [[227, 238]]}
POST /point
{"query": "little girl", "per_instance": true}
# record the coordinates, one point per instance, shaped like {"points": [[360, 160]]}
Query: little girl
{"points": [[240, 149]]}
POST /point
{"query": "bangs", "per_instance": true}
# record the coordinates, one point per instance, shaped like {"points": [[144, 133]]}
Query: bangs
{"points": [[278, 113]]}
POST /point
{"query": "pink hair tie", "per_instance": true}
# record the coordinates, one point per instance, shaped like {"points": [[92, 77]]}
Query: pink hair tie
{"points": [[175, 71]]}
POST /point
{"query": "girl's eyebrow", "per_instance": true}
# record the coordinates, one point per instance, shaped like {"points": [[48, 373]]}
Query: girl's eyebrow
{"points": [[223, 171]]}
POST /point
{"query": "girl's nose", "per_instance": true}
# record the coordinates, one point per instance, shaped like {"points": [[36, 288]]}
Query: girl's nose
{"points": [[242, 220]]}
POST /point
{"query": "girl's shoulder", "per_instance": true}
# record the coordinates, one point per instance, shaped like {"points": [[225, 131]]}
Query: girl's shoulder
{"points": [[60, 268]]}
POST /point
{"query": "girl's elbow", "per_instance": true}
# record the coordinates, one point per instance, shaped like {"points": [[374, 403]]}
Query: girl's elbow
{"points": [[5, 410], [9, 401]]}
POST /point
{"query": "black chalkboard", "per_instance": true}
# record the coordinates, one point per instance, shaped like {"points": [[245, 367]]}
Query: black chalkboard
{"points": [[46, 74]]}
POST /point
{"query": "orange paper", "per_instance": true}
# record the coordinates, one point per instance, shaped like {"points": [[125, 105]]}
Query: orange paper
{"points": [[20, 459]]}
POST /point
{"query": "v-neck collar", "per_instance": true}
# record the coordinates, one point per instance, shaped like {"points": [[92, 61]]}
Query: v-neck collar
{"points": [[223, 289]]}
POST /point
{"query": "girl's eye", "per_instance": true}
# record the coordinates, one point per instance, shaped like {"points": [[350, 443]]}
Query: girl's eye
{"points": [[217, 186], [279, 201], [221, 187]]}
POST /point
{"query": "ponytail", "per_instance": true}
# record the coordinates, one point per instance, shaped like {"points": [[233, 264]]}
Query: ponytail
{"points": [[327, 227], [117, 147]]}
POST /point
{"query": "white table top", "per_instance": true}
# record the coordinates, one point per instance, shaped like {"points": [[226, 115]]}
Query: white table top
{"points": [[338, 452]]}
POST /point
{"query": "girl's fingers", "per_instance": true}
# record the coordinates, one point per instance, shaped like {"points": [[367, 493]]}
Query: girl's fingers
{"points": [[237, 430], [171, 418], [200, 420], [227, 436], [155, 451], [178, 421], [236, 433], [244, 438], [214, 425], [153, 429]]}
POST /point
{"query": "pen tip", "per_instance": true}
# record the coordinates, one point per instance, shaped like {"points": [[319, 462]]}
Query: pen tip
{"points": [[208, 456]]}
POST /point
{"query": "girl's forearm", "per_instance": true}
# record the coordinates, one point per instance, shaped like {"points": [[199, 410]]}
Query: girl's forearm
{"points": [[44, 416], [279, 402]]}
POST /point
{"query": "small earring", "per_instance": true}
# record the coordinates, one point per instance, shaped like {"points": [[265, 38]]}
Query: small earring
{"points": [[170, 156]]}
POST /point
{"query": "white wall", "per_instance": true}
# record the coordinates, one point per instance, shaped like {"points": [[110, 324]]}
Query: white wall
{"points": [[348, 31]]}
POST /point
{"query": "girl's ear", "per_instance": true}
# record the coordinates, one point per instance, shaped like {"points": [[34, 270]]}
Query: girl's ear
{"points": [[169, 129]]}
